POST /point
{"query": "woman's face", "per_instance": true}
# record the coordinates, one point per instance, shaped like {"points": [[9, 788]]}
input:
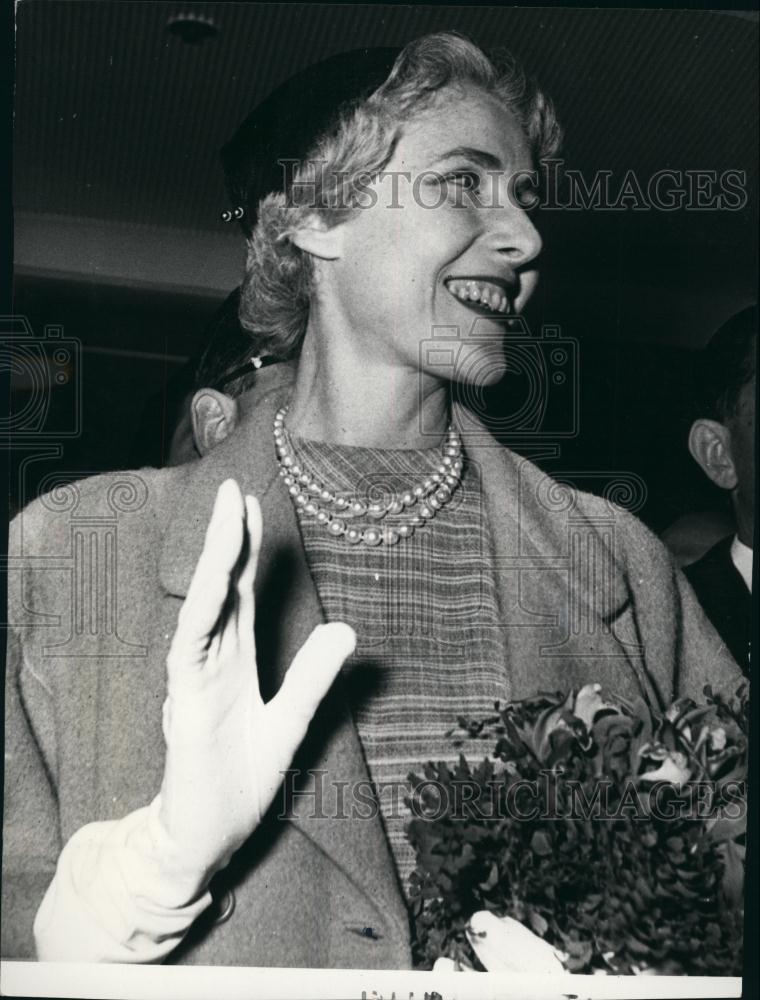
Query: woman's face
{"points": [[444, 249]]}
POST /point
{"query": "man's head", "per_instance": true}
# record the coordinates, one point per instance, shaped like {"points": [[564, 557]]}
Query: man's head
{"points": [[722, 438], [340, 163]]}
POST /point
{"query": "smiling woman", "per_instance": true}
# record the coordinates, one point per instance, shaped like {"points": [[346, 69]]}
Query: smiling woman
{"points": [[328, 589]]}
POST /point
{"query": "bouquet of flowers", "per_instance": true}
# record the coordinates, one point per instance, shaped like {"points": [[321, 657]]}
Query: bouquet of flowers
{"points": [[600, 836]]}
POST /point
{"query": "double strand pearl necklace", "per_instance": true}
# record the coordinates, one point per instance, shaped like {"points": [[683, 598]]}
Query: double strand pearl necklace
{"points": [[336, 511]]}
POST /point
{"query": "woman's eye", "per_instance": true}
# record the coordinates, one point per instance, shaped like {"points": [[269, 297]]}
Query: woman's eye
{"points": [[527, 197], [467, 180]]}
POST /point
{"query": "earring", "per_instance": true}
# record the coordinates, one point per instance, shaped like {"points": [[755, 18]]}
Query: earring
{"points": [[237, 213]]}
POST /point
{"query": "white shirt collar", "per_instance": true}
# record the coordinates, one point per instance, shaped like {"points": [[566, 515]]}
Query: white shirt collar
{"points": [[741, 556]]}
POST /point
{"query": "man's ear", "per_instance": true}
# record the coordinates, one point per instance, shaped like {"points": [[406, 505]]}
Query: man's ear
{"points": [[214, 416], [316, 238], [710, 447]]}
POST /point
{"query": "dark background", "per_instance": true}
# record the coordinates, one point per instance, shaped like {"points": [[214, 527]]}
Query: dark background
{"points": [[118, 194]]}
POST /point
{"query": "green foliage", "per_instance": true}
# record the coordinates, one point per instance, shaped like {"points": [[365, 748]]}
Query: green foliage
{"points": [[612, 831]]}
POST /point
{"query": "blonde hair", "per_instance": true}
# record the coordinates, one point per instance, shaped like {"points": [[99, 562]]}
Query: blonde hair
{"points": [[276, 290]]}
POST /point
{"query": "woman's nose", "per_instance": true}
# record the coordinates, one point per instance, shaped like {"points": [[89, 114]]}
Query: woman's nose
{"points": [[516, 237], [511, 229]]}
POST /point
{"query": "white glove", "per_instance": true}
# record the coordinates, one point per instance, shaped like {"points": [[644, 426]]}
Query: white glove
{"points": [[127, 890], [503, 944], [226, 749]]}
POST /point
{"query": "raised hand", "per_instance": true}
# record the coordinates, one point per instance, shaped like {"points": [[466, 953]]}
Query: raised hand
{"points": [[225, 748]]}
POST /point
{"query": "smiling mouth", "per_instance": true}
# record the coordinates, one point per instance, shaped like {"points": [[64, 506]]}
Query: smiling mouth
{"points": [[481, 294]]}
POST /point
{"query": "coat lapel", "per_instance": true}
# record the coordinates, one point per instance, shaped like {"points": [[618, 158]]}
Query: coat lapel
{"points": [[287, 610]]}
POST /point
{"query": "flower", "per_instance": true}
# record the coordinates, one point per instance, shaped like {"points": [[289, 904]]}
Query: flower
{"points": [[717, 738], [563, 859], [674, 768], [589, 702]]}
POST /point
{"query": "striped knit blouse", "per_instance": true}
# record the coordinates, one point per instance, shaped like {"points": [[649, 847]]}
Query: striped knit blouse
{"points": [[426, 617]]}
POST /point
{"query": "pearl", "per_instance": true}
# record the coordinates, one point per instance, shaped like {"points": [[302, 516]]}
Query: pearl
{"points": [[431, 494]]}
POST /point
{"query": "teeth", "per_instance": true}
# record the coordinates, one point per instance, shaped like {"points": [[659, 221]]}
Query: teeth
{"points": [[486, 293]]}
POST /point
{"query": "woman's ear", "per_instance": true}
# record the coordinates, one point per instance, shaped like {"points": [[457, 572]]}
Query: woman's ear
{"points": [[214, 416], [710, 447], [318, 239]]}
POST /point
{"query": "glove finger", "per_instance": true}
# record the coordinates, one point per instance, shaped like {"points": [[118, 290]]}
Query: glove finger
{"points": [[209, 587], [309, 678], [235, 641]]}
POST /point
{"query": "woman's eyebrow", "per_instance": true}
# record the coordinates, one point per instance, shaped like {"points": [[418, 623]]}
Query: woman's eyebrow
{"points": [[486, 160]]}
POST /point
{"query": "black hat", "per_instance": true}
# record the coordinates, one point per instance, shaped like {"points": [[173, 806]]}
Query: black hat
{"points": [[286, 125]]}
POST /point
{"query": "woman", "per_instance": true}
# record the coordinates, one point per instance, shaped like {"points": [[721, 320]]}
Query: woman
{"points": [[354, 493]]}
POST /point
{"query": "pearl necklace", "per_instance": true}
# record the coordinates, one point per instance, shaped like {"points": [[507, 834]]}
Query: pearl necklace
{"points": [[336, 511]]}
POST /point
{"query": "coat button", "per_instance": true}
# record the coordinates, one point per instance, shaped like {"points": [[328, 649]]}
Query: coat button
{"points": [[226, 906], [364, 931]]}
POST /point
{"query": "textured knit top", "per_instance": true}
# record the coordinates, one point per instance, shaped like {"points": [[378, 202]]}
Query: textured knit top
{"points": [[425, 612]]}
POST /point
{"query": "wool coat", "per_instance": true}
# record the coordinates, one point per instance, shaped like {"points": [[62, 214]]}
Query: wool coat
{"points": [[97, 574]]}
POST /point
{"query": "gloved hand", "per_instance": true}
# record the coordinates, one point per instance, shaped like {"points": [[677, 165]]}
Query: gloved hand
{"points": [[503, 944], [225, 748]]}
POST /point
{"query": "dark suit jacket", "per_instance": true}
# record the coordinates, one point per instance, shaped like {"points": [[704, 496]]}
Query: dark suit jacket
{"points": [[725, 599], [98, 571]]}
